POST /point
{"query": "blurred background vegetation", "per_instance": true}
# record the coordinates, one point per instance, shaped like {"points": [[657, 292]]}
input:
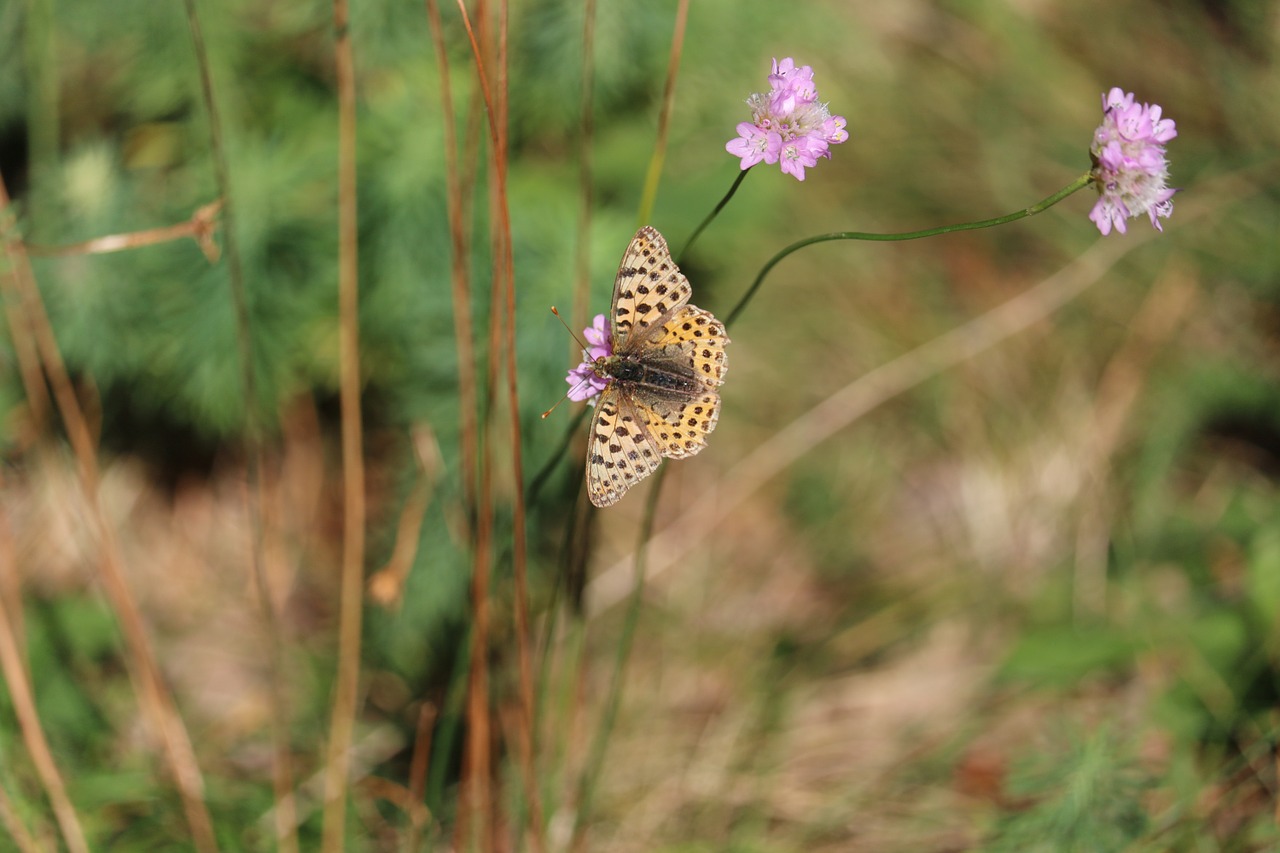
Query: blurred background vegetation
{"points": [[1030, 604]]}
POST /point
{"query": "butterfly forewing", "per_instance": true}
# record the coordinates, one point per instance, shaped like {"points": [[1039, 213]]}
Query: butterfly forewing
{"points": [[667, 364], [648, 286]]}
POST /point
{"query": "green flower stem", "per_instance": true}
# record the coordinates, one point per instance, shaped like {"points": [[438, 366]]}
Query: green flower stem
{"points": [[737, 182], [549, 467], [588, 782], [1079, 183]]}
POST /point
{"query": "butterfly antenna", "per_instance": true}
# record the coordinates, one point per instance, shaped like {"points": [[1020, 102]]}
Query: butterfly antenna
{"points": [[557, 405], [571, 332], [572, 388]]}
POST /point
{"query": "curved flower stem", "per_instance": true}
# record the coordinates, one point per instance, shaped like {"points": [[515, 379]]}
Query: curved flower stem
{"points": [[1038, 207], [737, 182]]}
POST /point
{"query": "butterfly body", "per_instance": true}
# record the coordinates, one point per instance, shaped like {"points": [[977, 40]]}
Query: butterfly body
{"points": [[648, 373], [668, 361]]}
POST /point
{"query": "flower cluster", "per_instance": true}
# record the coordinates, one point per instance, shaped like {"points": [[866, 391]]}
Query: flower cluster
{"points": [[788, 124], [585, 382], [1129, 168]]}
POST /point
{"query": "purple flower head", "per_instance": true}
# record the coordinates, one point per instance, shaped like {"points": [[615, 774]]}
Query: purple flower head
{"points": [[585, 380], [789, 125], [1129, 167]]}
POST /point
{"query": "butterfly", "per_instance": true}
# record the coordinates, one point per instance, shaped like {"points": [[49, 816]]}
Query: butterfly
{"points": [[662, 398]]}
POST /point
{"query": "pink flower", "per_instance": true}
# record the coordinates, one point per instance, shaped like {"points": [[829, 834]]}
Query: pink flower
{"points": [[586, 380], [1129, 167], [833, 133], [788, 124], [754, 145], [597, 336], [801, 154]]}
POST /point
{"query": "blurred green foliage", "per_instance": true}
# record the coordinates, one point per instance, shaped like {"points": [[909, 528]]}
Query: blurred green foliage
{"points": [[1085, 799]]}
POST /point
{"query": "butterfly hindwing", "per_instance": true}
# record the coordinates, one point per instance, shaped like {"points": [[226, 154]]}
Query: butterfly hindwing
{"points": [[679, 428], [648, 287], [621, 452], [697, 338]]}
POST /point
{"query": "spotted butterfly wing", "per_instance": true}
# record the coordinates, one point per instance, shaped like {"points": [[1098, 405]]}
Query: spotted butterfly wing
{"points": [[649, 285], [668, 361]]}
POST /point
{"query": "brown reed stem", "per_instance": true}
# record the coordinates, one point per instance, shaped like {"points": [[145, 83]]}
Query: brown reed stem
{"points": [[386, 586], [153, 694], [479, 714], [460, 278], [520, 566], [503, 350], [418, 765], [11, 578], [342, 721], [24, 708], [24, 348], [475, 810], [199, 227], [28, 359], [475, 486]]}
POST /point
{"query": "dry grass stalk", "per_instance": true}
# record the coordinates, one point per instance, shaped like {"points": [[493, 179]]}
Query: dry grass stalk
{"points": [[18, 683], [200, 227], [153, 693], [342, 719]]}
